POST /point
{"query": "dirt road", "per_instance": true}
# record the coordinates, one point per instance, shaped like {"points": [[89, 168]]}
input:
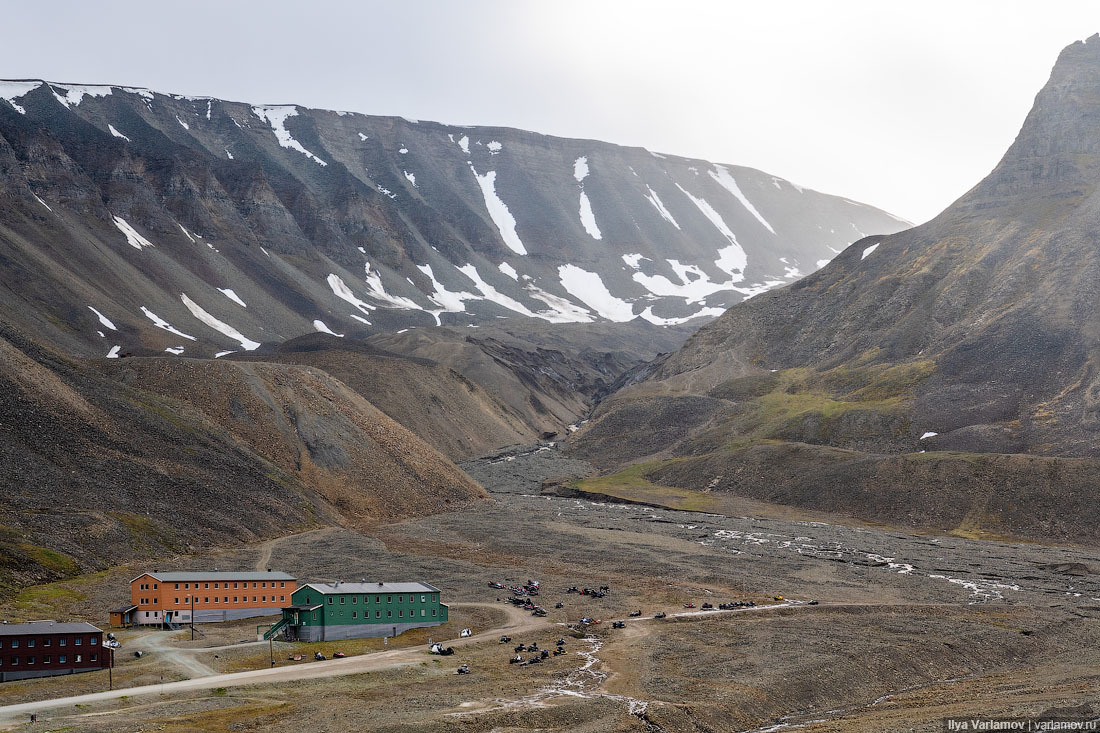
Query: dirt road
{"points": [[519, 621]]}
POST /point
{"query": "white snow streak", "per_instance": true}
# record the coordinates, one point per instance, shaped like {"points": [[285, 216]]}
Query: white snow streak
{"points": [[492, 294], [363, 137], [103, 319], [654, 199], [588, 288], [722, 175], [116, 133], [319, 325], [929, 434], [411, 177], [223, 328], [161, 323], [342, 291], [134, 239], [580, 168], [276, 117], [378, 291], [588, 219], [869, 250], [13, 90], [508, 270], [464, 143], [498, 211], [228, 292], [494, 147], [74, 95], [731, 259], [185, 232], [42, 202], [177, 350], [113, 353], [560, 309], [634, 260], [182, 123]]}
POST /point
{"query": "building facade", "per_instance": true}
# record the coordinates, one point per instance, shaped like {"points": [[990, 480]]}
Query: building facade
{"points": [[327, 612], [48, 648], [176, 597]]}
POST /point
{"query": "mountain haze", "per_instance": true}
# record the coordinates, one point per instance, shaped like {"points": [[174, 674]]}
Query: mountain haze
{"points": [[947, 375], [170, 222]]}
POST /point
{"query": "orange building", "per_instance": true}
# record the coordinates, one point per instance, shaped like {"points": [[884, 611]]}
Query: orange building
{"points": [[176, 597]]}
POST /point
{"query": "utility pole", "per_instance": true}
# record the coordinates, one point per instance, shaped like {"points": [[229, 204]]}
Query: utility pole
{"points": [[111, 669], [271, 649], [192, 618]]}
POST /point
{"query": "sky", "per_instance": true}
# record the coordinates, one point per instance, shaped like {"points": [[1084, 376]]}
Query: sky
{"points": [[904, 106]]}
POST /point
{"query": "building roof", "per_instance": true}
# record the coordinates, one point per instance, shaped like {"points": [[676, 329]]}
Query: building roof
{"points": [[48, 627], [326, 588], [124, 609], [312, 607], [188, 577]]}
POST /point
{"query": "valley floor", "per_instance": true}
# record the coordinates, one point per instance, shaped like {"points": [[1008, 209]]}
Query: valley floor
{"points": [[910, 628]]}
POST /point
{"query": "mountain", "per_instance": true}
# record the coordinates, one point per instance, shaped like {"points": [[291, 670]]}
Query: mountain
{"points": [[110, 461], [136, 222], [944, 376]]}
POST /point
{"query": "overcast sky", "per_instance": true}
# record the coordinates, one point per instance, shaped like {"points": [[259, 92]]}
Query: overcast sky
{"points": [[901, 106]]}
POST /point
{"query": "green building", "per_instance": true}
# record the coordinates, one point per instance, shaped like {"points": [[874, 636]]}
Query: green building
{"points": [[333, 611]]}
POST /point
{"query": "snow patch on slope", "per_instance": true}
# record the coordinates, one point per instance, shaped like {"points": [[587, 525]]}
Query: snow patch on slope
{"points": [[161, 323], [228, 292], [319, 325], [133, 239], [588, 288], [342, 291], [722, 175], [559, 310], [635, 260], [116, 133], [498, 212], [13, 90], [588, 219], [221, 327], [378, 291], [103, 319], [276, 117], [492, 294], [869, 250], [508, 270], [654, 199], [731, 259]]}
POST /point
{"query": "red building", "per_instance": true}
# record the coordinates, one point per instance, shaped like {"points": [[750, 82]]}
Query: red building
{"points": [[48, 648], [208, 596]]}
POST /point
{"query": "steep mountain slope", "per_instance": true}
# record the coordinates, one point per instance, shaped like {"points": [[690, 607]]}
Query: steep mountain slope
{"points": [[469, 392], [109, 461], [970, 337], [196, 225]]}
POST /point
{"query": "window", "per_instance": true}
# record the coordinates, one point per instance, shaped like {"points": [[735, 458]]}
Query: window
{"points": [[389, 599], [401, 599], [253, 599], [253, 585], [264, 598], [45, 642], [186, 586], [378, 599], [401, 613], [433, 612], [206, 599], [91, 640], [235, 599], [77, 641], [354, 614], [264, 584], [355, 599], [234, 585], [30, 660], [342, 599], [30, 642], [205, 586], [77, 660], [94, 657], [215, 599], [423, 612], [15, 660], [225, 600], [177, 601], [177, 586], [62, 659], [15, 643], [423, 599], [47, 659], [314, 615], [378, 614], [282, 598], [215, 585], [1, 643], [154, 586], [330, 601], [282, 584], [389, 614]]}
